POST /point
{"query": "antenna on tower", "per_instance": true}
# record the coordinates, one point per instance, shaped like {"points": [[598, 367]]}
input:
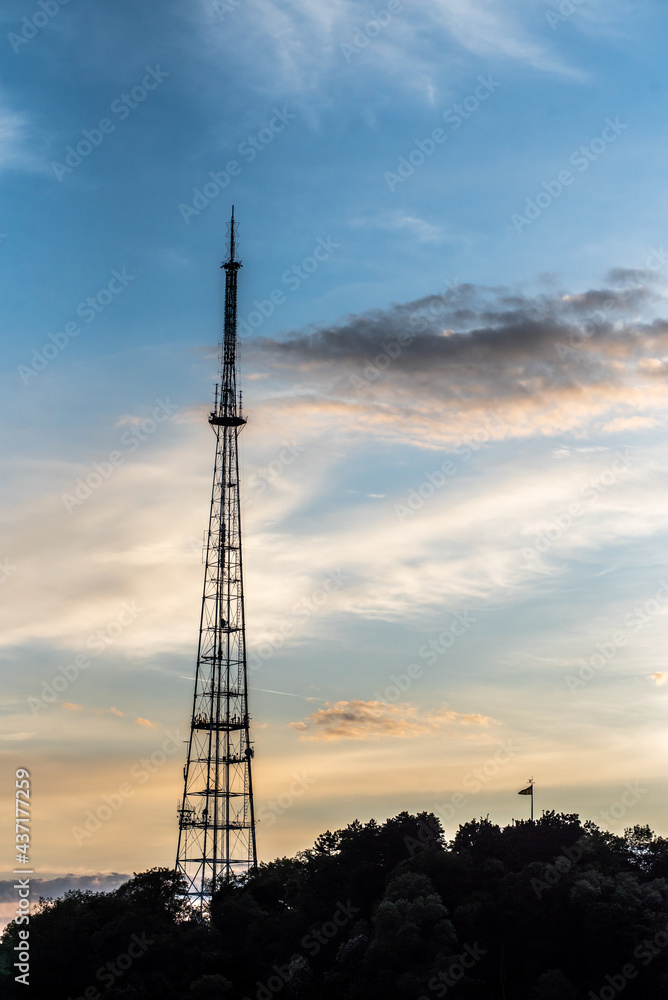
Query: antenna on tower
{"points": [[232, 239], [216, 818]]}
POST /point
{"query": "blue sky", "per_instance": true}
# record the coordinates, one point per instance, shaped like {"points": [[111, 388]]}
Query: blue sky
{"points": [[456, 403]]}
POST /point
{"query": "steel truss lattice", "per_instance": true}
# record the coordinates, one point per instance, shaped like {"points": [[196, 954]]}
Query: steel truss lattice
{"points": [[216, 816]]}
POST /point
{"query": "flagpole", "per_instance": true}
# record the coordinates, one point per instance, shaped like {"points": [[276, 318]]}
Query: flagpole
{"points": [[528, 791]]}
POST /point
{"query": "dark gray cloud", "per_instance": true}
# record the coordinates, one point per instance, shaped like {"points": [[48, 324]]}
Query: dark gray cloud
{"points": [[479, 343], [628, 277]]}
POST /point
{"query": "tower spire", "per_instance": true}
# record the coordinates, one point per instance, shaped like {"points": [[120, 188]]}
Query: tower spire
{"points": [[216, 817], [232, 237]]}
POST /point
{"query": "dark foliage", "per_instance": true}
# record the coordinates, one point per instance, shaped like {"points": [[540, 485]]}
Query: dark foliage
{"points": [[554, 910]]}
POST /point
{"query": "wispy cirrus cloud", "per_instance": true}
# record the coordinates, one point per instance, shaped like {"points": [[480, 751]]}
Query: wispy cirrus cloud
{"points": [[472, 350], [400, 222], [304, 43], [483, 29], [14, 152]]}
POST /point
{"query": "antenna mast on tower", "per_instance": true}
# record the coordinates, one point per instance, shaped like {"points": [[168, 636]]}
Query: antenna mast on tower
{"points": [[216, 816]]}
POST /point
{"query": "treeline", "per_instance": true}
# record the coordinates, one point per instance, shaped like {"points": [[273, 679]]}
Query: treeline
{"points": [[554, 910]]}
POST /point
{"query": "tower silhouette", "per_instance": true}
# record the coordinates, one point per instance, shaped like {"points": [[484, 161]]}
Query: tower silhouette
{"points": [[216, 816]]}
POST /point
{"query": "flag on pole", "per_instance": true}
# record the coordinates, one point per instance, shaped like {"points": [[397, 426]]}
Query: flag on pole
{"points": [[528, 791]]}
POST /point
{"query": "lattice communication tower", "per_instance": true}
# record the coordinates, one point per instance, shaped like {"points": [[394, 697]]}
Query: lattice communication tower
{"points": [[216, 816]]}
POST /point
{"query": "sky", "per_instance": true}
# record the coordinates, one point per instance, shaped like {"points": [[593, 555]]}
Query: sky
{"points": [[454, 348]]}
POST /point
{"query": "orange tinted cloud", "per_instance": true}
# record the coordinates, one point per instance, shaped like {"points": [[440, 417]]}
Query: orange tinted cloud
{"points": [[359, 720], [630, 424]]}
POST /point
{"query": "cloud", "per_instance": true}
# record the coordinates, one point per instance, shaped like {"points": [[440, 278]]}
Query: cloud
{"points": [[13, 140], [428, 371], [54, 888], [630, 424], [144, 722], [72, 707], [95, 582], [400, 222], [131, 541], [481, 28], [359, 720], [659, 678], [308, 48]]}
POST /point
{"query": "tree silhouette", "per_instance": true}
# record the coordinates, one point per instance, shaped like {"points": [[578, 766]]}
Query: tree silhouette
{"points": [[554, 910]]}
